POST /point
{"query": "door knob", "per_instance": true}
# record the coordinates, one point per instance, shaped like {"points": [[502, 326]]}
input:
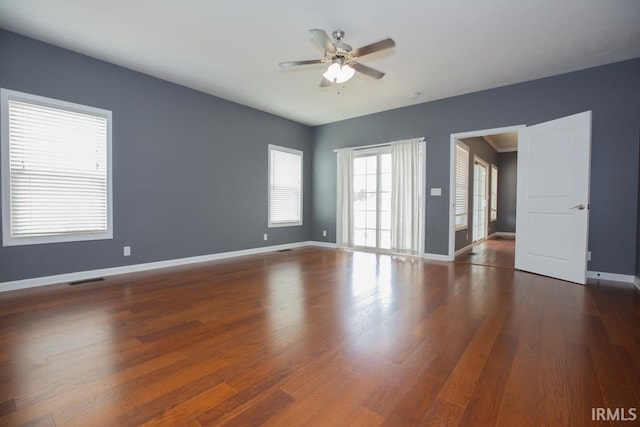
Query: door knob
{"points": [[581, 207]]}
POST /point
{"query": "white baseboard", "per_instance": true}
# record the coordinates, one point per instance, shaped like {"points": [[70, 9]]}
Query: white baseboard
{"points": [[465, 249], [437, 257], [614, 277], [135, 268], [323, 244], [503, 234]]}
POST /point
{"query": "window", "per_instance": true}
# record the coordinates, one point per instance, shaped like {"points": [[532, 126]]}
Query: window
{"points": [[462, 186], [56, 163], [285, 186], [494, 192]]}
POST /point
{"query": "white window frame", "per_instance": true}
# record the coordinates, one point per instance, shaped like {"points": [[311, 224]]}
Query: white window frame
{"points": [[270, 223], [7, 238], [465, 217], [493, 211]]}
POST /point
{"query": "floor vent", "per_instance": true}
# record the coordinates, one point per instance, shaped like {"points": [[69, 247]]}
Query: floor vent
{"points": [[82, 282], [283, 250], [473, 253]]}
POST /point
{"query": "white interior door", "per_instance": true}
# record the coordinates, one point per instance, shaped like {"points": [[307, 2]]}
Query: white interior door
{"points": [[552, 216]]}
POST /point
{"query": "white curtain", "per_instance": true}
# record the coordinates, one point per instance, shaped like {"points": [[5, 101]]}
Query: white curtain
{"points": [[407, 196], [344, 207]]}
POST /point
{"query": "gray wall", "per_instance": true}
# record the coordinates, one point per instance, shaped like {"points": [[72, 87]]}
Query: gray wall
{"points": [[480, 148], [189, 169], [611, 92], [507, 192]]}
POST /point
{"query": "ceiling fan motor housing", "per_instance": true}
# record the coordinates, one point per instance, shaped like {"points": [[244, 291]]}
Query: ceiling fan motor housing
{"points": [[338, 35]]}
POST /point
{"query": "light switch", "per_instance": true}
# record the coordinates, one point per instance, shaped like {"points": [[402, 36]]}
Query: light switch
{"points": [[436, 191]]}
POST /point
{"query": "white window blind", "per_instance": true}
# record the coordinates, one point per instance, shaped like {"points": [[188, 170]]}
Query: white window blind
{"points": [[285, 186], [462, 186], [55, 171], [494, 192]]}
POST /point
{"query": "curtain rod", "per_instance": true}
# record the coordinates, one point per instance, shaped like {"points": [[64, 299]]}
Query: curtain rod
{"points": [[363, 147]]}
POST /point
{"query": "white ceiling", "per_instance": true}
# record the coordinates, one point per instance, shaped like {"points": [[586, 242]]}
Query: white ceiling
{"points": [[231, 49], [502, 142]]}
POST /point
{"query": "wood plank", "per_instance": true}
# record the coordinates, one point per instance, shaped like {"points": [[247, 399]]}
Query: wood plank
{"points": [[128, 400], [316, 401], [43, 421], [443, 413], [553, 378], [7, 407], [91, 388], [463, 380], [414, 405], [521, 394], [484, 405], [365, 418], [262, 410], [496, 252], [584, 389], [191, 408]]}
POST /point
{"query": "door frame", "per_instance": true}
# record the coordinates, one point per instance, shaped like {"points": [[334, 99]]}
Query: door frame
{"points": [[477, 161], [452, 176]]}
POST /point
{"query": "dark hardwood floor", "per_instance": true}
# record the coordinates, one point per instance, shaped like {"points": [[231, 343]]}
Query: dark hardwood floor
{"points": [[319, 337], [499, 252]]}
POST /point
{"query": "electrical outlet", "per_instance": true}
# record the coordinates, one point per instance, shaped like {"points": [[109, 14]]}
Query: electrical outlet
{"points": [[588, 255], [126, 251], [265, 236], [324, 233]]}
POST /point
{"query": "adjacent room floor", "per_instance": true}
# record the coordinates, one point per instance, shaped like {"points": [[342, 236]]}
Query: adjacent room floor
{"points": [[319, 336], [495, 252]]}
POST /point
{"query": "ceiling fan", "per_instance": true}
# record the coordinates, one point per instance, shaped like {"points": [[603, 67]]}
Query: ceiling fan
{"points": [[342, 57]]}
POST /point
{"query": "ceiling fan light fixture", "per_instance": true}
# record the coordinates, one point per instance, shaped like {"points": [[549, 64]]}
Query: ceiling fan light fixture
{"points": [[338, 73]]}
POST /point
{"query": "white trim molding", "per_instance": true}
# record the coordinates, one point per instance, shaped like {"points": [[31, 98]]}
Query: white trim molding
{"points": [[436, 257], [465, 249], [503, 234], [613, 277], [135, 268], [323, 244]]}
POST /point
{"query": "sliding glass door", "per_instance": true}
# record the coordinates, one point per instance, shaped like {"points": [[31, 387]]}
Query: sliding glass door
{"points": [[372, 199]]}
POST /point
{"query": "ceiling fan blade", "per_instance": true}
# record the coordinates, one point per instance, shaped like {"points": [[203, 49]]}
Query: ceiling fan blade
{"points": [[296, 63], [324, 83], [371, 72], [324, 40], [374, 47]]}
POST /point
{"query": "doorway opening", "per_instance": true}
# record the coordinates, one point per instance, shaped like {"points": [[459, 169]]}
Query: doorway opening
{"points": [[552, 200], [488, 237]]}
